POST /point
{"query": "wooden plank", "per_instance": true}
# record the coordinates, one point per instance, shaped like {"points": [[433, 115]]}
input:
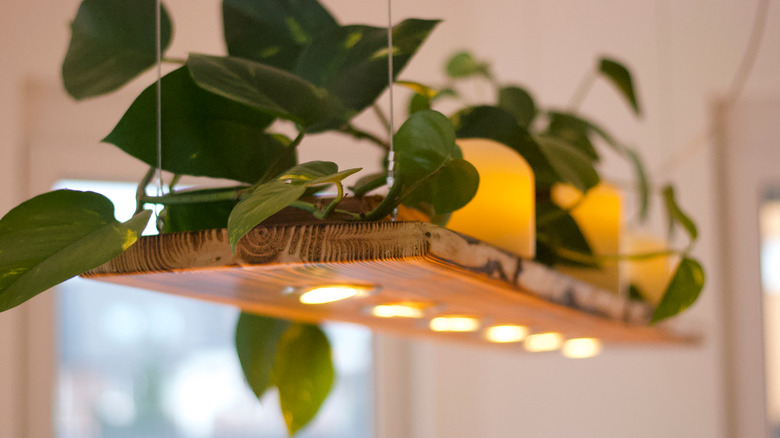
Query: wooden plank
{"points": [[408, 261]]}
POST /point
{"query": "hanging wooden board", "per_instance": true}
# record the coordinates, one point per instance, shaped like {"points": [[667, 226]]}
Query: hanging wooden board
{"points": [[450, 273]]}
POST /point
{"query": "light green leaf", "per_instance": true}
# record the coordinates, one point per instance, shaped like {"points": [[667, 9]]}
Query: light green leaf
{"points": [[273, 32], [203, 135], [267, 89], [257, 338], [264, 201], [619, 75], [112, 42], [676, 216], [267, 199], [571, 165], [518, 102], [303, 372], [351, 62], [683, 290], [58, 235], [463, 65]]}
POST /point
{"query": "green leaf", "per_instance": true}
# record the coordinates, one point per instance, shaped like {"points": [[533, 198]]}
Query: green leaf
{"points": [[112, 42], [267, 199], [264, 201], [197, 216], [351, 62], [303, 372], [518, 102], [569, 163], [203, 134], [642, 183], [257, 339], [572, 130], [273, 32], [55, 236], [676, 216], [451, 188], [619, 75], [418, 102], [498, 124], [463, 65], [267, 89], [683, 290]]}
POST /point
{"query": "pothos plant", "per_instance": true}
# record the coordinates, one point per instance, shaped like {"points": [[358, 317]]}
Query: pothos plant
{"points": [[292, 62]]}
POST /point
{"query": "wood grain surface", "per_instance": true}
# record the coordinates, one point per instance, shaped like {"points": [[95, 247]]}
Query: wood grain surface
{"points": [[451, 274]]}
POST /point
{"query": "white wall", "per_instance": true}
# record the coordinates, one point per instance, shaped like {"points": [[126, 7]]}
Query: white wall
{"points": [[683, 53]]}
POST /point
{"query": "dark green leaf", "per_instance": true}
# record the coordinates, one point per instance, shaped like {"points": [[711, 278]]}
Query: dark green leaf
{"points": [[351, 62], [112, 41], [418, 102], [683, 290], [197, 216], [309, 171], [518, 102], [574, 131], [273, 32], [634, 293], [569, 163], [451, 188], [498, 124], [257, 339], [303, 372], [463, 65], [203, 134], [58, 235], [642, 184], [676, 215], [267, 89], [621, 78]]}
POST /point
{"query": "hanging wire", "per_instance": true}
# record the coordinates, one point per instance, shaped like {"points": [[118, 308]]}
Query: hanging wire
{"points": [[158, 170], [391, 152]]}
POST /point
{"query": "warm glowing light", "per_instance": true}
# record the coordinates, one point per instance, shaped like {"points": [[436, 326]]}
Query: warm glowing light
{"points": [[543, 342], [398, 311], [329, 294], [600, 220], [581, 348], [506, 333], [505, 196], [454, 324], [650, 276]]}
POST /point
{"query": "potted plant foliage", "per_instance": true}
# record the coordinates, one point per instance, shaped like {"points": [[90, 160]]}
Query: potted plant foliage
{"points": [[291, 61]]}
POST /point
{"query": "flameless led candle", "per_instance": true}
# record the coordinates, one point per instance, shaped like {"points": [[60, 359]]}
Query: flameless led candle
{"points": [[600, 220], [503, 211], [650, 276]]}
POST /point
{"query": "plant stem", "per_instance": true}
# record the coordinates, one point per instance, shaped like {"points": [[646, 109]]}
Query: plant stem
{"points": [[311, 208], [207, 195], [382, 117], [363, 135], [582, 90], [140, 192], [575, 255], [369, 186], [174, 60]]}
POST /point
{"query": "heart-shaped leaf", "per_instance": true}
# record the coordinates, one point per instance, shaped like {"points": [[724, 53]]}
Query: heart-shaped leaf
{"points": [[267, 199], [517, 101], [55, 236], [683, 290], [257, 339], [273, 32], [619, 75], [451, 188], [569, 163], [303, 372], [112, 42], [500, 125], [351, 62], [572, 130], [267, 89], [203, 134]]}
